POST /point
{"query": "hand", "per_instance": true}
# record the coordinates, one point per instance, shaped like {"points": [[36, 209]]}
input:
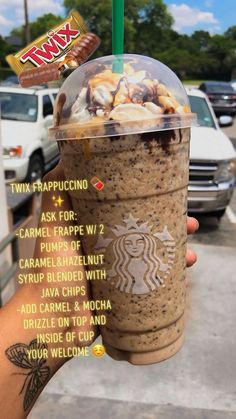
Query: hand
{"points": [[192, 227], [17, 403], [192, 223]]}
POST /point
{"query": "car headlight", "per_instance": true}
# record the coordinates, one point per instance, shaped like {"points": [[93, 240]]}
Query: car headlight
{"points": [[12, 151], [226, 170]]}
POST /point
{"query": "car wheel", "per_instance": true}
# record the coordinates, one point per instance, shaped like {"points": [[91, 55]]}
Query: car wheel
{"points": [[218, 214], [35, 169]]}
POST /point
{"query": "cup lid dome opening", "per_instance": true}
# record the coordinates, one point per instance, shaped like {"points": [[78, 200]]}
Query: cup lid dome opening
{"points": [[95, 102]]}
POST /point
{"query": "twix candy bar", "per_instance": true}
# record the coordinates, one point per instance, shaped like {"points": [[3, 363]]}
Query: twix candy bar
{"points": [[78, 54], [67, 45], [50, 47]]}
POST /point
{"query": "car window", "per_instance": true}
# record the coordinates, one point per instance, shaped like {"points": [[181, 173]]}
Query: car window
{"points": [[47, 106], [219, 87], [10, 80], [18, 106], [200, 106]]}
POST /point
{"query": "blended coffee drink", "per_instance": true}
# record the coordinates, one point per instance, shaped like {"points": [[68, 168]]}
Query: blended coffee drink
{"points": [[128, 135]]}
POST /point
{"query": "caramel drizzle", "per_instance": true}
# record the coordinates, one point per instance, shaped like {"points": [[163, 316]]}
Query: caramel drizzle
{"points": [[86, 149]]}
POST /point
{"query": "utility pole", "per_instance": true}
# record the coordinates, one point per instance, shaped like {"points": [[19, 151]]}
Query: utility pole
{"points": [[27, 27]]}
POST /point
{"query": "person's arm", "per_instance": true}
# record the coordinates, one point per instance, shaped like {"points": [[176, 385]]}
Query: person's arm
{"points": [[25, 368], [22, 376]]}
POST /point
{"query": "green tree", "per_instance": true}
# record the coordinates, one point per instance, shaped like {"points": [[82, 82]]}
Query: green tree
{"points": [[98, 17], [221, 49], [231, 34], [3, 49], [145, 22], [181, 61], [153, 28], [201, 40], [148, 31]]}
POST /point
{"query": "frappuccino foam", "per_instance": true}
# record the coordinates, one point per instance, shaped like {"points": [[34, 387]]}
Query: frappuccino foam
{"points": [[107, 103]]}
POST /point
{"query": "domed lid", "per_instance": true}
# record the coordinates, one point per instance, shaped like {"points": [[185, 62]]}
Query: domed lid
{"points": [[94, 101]]}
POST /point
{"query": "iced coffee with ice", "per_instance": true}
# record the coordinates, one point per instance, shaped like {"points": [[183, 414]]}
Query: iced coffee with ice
{"points": [[130, 131]]}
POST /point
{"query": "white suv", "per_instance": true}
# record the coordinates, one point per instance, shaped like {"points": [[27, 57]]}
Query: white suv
{"points": [[26, 115]]}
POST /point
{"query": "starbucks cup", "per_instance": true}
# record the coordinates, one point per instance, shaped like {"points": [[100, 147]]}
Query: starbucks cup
{"points": [[128, 135]]}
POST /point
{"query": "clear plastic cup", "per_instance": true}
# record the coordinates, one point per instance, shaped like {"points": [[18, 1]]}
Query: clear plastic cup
{"points": [[128, 135]]}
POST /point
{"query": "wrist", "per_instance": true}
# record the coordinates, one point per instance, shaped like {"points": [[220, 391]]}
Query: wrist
{"points": [[62, 320]]}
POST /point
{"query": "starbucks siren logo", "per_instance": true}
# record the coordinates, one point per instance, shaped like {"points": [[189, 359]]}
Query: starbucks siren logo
{"points": [[136, 267]]}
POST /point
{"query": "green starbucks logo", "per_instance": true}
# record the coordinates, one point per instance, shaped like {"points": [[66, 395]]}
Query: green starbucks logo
{"points": [[142, 259]]}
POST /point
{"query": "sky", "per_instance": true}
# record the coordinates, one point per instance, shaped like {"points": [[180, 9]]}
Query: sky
{"points": [[215, 16]]}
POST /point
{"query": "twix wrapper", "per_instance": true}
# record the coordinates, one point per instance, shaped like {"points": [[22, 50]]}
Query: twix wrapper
{"points": [[67, 45], [79, 53]]}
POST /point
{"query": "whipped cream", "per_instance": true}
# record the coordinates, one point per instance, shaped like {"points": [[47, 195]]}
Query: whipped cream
{"points": [[131, 96]]}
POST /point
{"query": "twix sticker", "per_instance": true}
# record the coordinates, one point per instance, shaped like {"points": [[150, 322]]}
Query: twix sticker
{"points": [[50, 47], [97, 183]]}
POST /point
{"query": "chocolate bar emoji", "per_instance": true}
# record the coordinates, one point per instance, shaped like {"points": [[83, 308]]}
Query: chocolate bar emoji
{"points": [[97, 183]]}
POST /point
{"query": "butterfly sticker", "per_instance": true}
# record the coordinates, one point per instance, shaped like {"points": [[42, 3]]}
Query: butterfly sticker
{"points": [[38, 374]]}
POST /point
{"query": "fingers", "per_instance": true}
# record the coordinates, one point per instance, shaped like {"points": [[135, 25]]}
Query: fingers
{"points": [[192, 225], [55, 174], [191, 258], [58, 174]]}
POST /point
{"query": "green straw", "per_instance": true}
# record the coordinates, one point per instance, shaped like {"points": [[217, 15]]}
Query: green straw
{"points": [[118, 34]]}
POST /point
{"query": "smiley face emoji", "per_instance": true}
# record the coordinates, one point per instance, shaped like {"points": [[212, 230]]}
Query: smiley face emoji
{"points": [[98, 351]]}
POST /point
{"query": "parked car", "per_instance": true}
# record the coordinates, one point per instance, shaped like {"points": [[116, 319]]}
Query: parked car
{"points": [[221, 95], [26, 115], [10, 81], [212, 159], [233, 84]]}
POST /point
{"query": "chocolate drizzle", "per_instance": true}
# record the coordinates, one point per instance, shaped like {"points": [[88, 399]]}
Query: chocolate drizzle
{"points": [[162, 138], [94, 68], [60, 103], [112, 130], [61, 144]]}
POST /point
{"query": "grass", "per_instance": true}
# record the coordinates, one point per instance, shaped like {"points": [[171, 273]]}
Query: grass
{"points": [[193, 82]]}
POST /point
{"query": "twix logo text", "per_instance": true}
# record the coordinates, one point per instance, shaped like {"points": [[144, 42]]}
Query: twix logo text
{"points": [[57, 42]]}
